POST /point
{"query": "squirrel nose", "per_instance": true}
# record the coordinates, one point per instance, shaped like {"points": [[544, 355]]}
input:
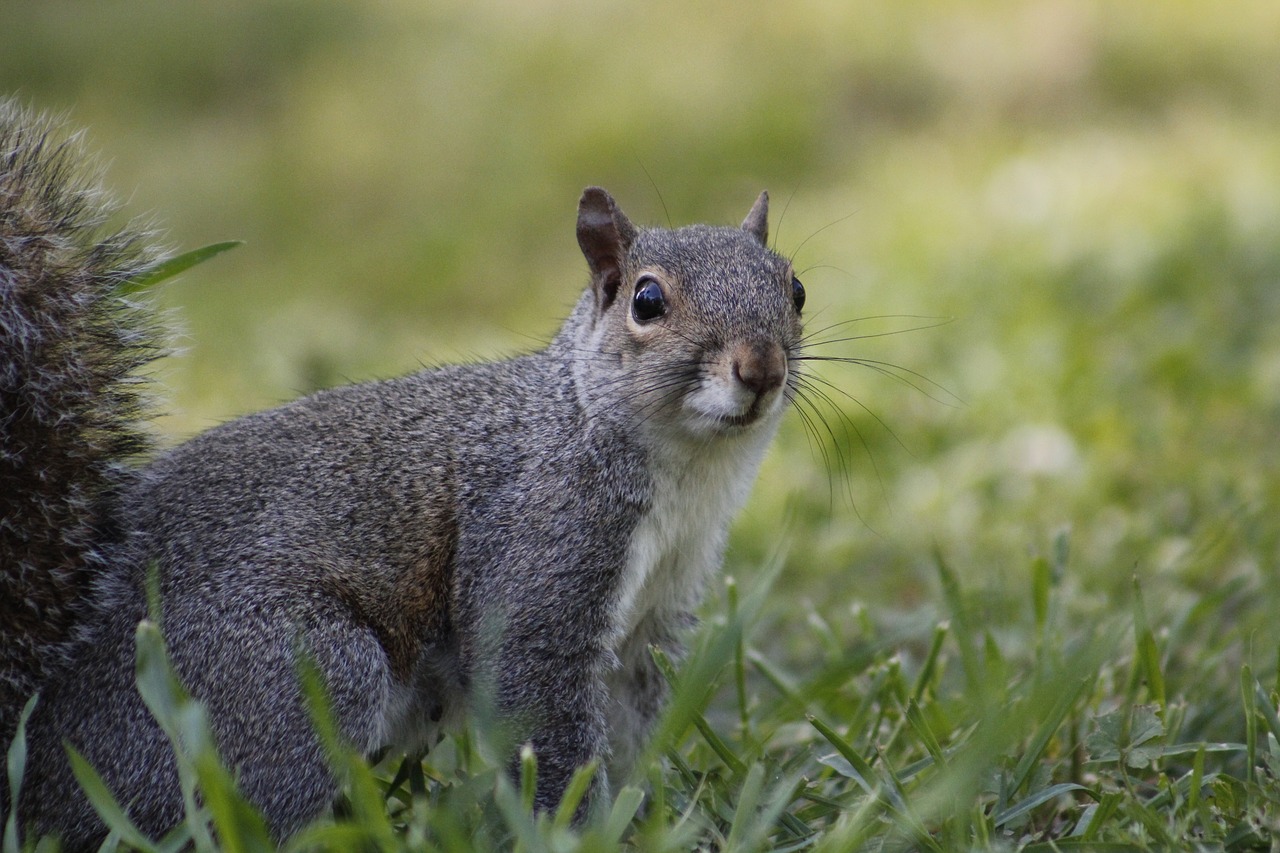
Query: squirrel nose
{"points": [[760, 366]]}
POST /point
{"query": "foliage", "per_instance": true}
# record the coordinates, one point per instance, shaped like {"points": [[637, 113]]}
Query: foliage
{"points": [[1066, 744]]}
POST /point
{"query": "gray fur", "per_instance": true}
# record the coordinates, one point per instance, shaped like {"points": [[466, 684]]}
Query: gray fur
{"points": [[521, 530], [70, 408]]}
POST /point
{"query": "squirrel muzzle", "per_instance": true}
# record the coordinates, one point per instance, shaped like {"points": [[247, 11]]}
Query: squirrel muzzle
{"points": [[760, 366]]}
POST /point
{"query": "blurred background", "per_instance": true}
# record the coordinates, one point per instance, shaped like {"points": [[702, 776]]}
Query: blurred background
{"points": [[1088, 191]]}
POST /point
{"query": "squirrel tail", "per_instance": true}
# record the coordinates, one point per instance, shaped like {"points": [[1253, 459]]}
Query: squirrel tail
{"points": [[72, 407]]}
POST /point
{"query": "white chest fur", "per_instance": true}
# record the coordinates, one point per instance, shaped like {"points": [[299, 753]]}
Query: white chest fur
{"points": [[679, 541]]}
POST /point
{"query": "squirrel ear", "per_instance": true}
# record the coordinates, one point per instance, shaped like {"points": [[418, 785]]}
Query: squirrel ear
{"points": [[757, 221], [605, 235]]}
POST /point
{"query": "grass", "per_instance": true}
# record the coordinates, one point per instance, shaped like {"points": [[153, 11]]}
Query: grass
{"points": [[925, 738], [1038, 614]]}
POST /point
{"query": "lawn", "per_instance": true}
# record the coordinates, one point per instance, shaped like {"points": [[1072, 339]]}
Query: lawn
{"points": [[1010, 583]]}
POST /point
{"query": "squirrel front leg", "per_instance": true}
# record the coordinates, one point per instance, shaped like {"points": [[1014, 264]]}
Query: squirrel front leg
{"points": [[539, 650], [555, 701], [536, 601], [637, 689]]}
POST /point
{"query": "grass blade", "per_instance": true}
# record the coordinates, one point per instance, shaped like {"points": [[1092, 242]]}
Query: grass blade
{"points": [[1043, 734], [1249, 696], [16, 766], [1029, 804], [574, 792], [105, 804], [170, 267], [930, 666], [1148, 654]]}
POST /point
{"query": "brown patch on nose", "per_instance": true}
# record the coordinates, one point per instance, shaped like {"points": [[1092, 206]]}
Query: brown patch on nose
{"points": [[761, 366]]}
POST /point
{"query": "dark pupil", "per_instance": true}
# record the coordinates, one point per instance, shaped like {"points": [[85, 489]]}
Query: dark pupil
{"points": [[797, 293], [648, 303]]}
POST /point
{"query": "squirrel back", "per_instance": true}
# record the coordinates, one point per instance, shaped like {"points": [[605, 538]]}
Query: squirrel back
{"points": [[71, 405], [519, 531]]}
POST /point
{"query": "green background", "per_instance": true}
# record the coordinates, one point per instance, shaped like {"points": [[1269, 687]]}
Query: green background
{"points": [[1088, 191]]}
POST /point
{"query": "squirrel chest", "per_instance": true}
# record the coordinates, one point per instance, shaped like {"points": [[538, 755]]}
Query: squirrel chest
{"points": [[678, 541]]}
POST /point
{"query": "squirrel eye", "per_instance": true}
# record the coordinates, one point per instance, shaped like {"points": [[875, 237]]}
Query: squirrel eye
{"points": [[648, 304], [797, 293]]}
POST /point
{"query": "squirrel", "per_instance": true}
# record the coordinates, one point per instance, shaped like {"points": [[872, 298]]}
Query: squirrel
{"points": [[527, 527]]}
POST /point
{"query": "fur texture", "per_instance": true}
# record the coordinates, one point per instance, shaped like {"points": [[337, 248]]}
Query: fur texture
{"points": [[70, 407], [520, 531]]}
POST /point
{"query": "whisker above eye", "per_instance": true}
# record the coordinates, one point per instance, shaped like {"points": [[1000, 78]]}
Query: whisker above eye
{"points": [[831, 224]]}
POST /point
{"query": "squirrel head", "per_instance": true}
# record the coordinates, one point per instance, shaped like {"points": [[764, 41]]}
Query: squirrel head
{"points": [[702, 322]]}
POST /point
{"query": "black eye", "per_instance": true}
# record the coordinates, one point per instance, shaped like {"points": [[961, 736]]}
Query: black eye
{"points": [[648, 304], [797, 293]]}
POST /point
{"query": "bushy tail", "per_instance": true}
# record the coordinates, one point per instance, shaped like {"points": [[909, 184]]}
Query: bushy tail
{"points": [[70, 404]]}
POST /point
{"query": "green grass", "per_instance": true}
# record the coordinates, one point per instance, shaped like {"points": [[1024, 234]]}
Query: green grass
{"points": [[929, 737], [1041, 612]]}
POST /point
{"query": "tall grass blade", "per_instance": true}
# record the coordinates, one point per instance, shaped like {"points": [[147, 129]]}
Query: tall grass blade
{"points": [[16, 768], [1148, 654], [106, 805], [170, 267], [1249, 695]]}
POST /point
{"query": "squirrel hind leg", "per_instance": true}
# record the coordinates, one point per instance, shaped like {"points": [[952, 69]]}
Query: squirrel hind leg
{"points": [[261, 717]]}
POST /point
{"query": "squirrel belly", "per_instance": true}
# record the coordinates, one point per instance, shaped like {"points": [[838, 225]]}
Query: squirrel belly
{"points": [[517, 531]]}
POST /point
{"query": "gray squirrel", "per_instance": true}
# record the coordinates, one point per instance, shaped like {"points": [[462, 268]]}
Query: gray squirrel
{"points": [[529, 526]]}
